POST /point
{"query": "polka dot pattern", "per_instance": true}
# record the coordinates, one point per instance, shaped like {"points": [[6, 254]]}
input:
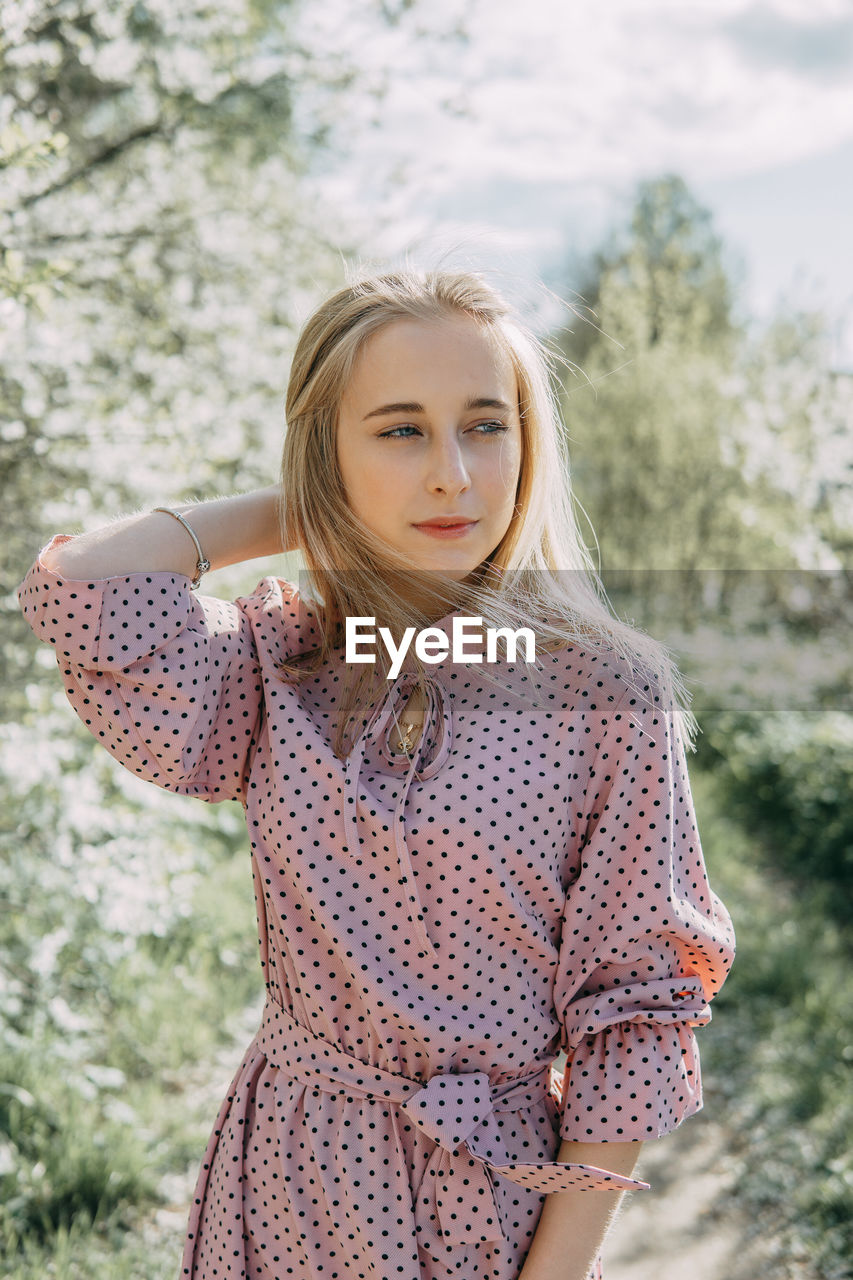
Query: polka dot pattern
{"points": [[452, 1109], [432, 930]]}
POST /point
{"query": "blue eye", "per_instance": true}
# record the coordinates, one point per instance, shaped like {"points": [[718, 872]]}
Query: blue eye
{"points": [[497, 428], [392, 434]]}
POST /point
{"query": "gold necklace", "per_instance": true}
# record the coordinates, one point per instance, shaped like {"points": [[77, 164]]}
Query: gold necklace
{"points": [[406, 743]]}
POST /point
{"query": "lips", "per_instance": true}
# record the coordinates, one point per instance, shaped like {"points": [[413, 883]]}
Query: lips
{"points": [[445, 528], [445, 522]]}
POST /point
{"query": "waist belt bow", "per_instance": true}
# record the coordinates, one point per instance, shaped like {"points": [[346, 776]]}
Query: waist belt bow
{"points": [[457, 1110]]}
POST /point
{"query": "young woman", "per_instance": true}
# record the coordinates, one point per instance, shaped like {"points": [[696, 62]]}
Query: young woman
{"points": [[459, 871]]}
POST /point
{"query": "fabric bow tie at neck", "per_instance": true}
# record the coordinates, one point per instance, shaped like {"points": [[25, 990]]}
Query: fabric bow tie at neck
{"points": [[458, 1111], [429, 754]]}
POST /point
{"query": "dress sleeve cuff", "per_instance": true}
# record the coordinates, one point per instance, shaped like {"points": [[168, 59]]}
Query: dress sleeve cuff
{"points": [[658, 1000], [106, 623], [630, 1082]]}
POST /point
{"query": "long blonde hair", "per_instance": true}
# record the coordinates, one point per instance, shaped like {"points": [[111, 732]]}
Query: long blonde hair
{"points": [[541, 574]]}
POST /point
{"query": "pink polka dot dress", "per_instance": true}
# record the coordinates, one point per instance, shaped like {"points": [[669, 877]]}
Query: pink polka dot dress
{"points": [[434, 927]]}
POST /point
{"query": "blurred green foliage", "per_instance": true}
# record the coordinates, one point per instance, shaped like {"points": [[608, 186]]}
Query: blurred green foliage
{"points": [[700, 441], [788, 778], [779, 1054], [128, 949]]}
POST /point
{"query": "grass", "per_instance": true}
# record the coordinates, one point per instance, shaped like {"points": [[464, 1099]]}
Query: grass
{"points": [[781, 1050], [109, 1249]]}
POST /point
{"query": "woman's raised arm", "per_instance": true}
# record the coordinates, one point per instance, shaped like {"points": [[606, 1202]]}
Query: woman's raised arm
{"points": [[232, 529]]}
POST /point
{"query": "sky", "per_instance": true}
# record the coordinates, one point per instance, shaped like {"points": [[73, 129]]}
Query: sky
{"points": [[515, 132]]}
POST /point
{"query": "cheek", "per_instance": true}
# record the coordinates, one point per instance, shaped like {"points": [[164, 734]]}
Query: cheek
{"points": [[370, 492], [508, 471], [355, 477]]}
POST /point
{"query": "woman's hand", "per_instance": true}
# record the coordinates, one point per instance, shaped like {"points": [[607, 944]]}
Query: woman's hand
{"points": [[230, 530]]}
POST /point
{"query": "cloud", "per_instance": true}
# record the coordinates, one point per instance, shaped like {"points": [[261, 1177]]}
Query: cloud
{"points": [[595, 94], [809, 44]]}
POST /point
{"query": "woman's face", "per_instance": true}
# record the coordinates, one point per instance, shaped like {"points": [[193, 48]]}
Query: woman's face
{"points": [[429, 441]]}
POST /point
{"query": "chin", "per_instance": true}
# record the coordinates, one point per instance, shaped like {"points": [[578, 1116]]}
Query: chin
{"points": [[456, 571]]}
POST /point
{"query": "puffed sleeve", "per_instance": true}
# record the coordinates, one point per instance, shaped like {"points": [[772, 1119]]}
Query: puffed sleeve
{"points": [[645, 943], [168, 681]]}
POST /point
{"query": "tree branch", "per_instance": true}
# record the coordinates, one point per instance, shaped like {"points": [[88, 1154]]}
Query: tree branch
{"points": [[103, 157]]}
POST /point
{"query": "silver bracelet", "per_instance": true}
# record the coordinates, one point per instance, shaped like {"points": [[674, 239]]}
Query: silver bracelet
{"points": [[203, 562]]}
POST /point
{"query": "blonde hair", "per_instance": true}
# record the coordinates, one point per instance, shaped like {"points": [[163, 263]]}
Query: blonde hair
{"points": [[541, 574]]}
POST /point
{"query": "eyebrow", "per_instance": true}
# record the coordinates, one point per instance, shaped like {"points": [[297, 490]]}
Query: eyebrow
{"points": [[412, 406]]}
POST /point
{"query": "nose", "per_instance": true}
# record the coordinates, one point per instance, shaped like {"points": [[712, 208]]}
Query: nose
{"points": [[447, 472]]}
